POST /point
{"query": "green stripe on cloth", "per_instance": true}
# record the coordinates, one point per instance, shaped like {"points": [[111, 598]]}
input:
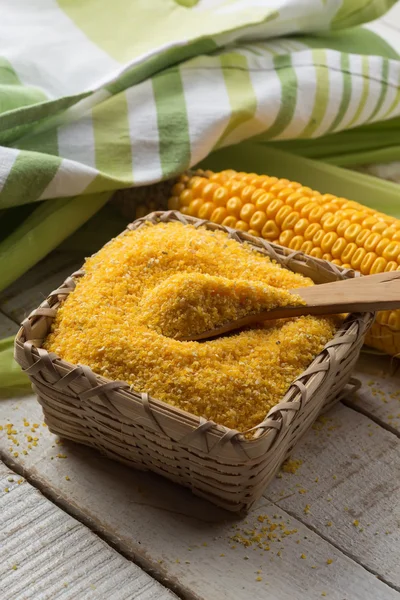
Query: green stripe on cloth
{"points": [[356, 40], [384, 88], [288, 79], [173, 126], [242, 99], [112, 141], [24, 121], [17, 96], [321, 95], [30, 174], [346, 94]]}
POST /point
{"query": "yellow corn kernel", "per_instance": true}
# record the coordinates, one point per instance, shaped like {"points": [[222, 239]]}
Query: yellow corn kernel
{"points": [[328, 240], [291, 220], [357, 217], [178, 189], [316, 214], [186, 197], [338, 247], [174, 203], [209, 190], [379, 227], [219, 214], [378, 266], [285, 193], [290, 200], [285, 237], [362, 236], [196, 185], [318, 237], [220, 197], [268, 184], [242, 225], [234, 206], [306, 247], [194, 207], [342, 227], [391, 251], [372, 241], [301, 203], [391, 266], [301, 225], [247, 193], [281, 215], [369, 222], [348, 253], [336, 261], [270, 231], [352, 232], [331, 223], [367, 262], [306, 191], [382, 245], [254, 232], [316, 252], [256, 195], [327, 257], [278, 187], [264, 201], [247, 212], [206, 210], [258, 220], [357, 258], [273, 208], [235, 187], [229, 221], [296, 242], [311, 230]]}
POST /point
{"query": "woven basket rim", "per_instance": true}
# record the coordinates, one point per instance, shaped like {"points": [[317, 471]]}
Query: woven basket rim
{"points": [[348, 334]]}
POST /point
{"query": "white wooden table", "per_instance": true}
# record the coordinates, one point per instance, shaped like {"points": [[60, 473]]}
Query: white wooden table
{"points": [[76, 525]]}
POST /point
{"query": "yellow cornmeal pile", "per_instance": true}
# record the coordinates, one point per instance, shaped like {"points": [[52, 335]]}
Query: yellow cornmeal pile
{"points": [[233, 381], [187, 304]]}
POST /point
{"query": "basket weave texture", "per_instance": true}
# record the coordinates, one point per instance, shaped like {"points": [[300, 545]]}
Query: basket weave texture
{"points": [[218, 463]]}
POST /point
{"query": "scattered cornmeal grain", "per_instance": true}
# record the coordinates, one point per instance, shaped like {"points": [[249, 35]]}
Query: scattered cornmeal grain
{"points": [[356, 522], [248, 373], [303, 556], [329, 561], [291, 465], [262, 532], [307, 509]]}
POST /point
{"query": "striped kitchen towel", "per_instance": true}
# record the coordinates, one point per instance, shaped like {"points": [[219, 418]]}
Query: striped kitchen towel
{"points": [[98, 95]]}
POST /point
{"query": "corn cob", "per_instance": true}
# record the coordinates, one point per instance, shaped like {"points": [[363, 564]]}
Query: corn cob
{"points": [[341, 231]]}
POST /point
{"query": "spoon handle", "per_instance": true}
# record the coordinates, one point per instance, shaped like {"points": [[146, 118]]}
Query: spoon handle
{"points": [[359, 294]]}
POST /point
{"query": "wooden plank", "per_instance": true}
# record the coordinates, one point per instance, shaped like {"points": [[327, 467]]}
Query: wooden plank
{"points": [[18, 300], [348, 489], [187, 541], [45, 553], [379, 395]]}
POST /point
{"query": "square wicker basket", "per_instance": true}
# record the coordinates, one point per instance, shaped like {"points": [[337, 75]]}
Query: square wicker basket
{"points": [[215, 462]]}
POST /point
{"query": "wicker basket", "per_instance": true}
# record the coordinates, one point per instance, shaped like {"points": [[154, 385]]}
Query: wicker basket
{"points": [[215, 462]]}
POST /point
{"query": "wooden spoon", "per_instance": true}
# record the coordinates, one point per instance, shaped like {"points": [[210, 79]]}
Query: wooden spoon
{"points": [[360, 294]]}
